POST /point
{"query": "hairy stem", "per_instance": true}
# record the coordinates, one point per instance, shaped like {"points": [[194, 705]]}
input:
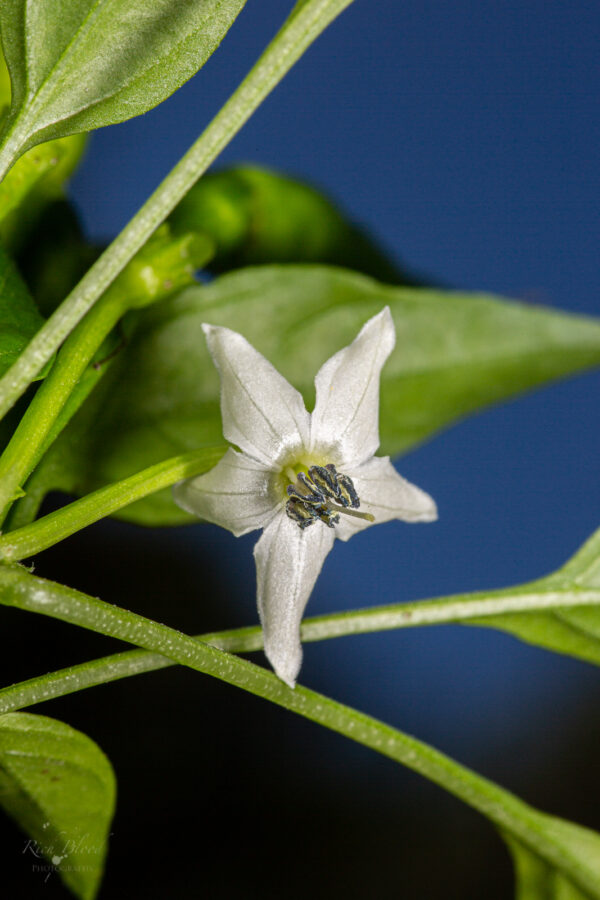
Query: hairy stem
{"points": [[464, 608]]}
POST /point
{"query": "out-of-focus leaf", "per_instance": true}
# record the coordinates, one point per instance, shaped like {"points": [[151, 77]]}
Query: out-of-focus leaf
{"points": [[537, 879], [455, 354], [56, 255], [33, 183], [60, 788], [76, 65], [19, 318], [257, 216]]}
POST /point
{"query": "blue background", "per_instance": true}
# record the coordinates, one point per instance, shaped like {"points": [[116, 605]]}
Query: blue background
{"points": [[465, 137]]}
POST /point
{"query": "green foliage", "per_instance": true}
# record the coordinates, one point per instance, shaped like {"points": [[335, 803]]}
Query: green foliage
{"points": [[60, 788], [165, 264], [19, 318], [536, 879], [80, 64], [5, 91], [455, 354], [56, 254], [33, 183], [258, 216], [307, 20], [76, 65]]}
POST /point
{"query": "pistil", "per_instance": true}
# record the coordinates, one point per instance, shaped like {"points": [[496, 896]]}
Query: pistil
{"points": [[368, 517]]}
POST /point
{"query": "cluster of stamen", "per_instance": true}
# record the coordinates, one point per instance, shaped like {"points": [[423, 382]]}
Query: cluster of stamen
{"points": [[322, 493]]}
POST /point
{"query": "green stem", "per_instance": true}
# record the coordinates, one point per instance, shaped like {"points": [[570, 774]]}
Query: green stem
{"points": [[307, 20], [56, 526], [247, 640], [25, 509], [22, 590], [461, 609], [29, 441]]}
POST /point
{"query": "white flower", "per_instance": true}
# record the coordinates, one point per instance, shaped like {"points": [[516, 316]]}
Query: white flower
{"points": [[300, 476]]}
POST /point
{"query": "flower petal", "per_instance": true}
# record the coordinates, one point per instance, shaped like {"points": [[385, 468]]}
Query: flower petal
{"points": [[386, 495], [236, 494], [346, 413], [262, 413], [288, 561]]}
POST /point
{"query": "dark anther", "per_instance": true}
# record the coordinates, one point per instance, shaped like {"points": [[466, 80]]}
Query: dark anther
{"points": [[310, 495], [349, 497], [325, 480], [302, 513]]}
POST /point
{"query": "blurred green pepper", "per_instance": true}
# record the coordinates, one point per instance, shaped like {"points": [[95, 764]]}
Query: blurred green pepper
{"points": [[257, 216]]}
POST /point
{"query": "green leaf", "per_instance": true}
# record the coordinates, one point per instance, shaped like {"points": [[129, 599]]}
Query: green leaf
{"points": [[60, 788], [5, 91], [76, 65], [570, 853], [257, 216], [536, 879], [35, 180], [19, 318], [455, 354]]}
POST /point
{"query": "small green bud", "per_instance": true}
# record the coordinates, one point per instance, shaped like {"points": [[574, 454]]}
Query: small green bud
{"points": [[164, 265]]}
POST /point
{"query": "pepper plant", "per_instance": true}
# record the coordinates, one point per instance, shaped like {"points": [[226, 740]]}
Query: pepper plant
{"points": [[109, 394]]}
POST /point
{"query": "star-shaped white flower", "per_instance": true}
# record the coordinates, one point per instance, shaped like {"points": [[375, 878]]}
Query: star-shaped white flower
{"points": [[304, 478]]}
